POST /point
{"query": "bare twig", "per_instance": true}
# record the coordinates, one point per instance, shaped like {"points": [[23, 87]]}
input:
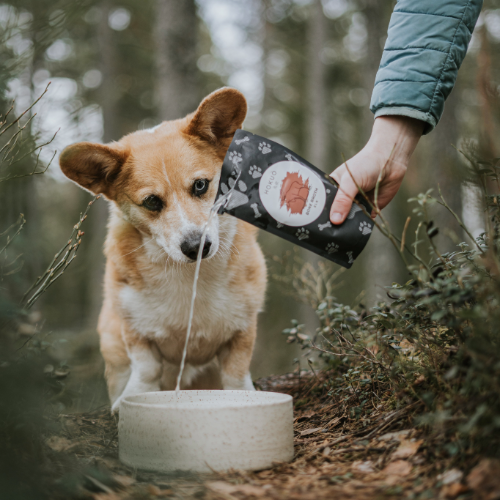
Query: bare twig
{"points": [[59, 263]]}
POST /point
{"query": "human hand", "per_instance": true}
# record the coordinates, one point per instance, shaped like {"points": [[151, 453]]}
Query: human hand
{"points": [[392, 142]]}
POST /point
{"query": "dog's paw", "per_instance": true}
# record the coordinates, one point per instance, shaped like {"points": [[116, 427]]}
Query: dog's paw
{"points": [[115, 407], [230, 383], [332, 248], [302, 234], [235, 158], [265, 148], [365, 228], [255, 171]]}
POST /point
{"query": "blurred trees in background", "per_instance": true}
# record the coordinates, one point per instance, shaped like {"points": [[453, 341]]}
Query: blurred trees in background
{"points": [[307, 68]]}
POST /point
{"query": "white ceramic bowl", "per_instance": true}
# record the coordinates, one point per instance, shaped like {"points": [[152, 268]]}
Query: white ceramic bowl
{"points": [[205, 431]]}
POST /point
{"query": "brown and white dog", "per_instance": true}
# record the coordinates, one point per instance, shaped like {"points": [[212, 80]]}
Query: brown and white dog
{"points": [[161, 184]]}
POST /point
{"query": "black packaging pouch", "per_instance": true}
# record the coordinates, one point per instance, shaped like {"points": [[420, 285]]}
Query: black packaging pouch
{"points": [[283, 194]]}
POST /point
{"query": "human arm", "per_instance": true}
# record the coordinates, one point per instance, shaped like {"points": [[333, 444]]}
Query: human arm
{"points": [[391, 144], [427, 42]]}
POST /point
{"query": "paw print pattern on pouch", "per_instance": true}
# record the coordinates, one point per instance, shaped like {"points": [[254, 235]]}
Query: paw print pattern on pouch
{"points": [[365, 228], [350, 257], [332, 248], [255, 171], [235, 158], [265, 148], [302, 234]]}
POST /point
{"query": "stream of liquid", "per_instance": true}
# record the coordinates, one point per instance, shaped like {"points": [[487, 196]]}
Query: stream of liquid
{"points": [[222, 201]]}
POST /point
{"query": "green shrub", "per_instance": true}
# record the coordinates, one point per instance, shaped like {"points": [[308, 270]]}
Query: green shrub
{"points": [[435, 343]]}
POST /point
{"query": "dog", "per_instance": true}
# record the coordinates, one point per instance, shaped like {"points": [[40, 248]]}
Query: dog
{"points": [[161, 184]]}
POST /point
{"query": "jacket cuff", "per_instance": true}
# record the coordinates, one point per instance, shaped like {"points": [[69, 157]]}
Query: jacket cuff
{"points": [[427, 118]]}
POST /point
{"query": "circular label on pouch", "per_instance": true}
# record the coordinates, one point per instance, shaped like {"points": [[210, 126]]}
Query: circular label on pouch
{"points": [[292, 193]]}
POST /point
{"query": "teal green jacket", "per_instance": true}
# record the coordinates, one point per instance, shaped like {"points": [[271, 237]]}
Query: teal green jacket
{"points": [[427, 42]]}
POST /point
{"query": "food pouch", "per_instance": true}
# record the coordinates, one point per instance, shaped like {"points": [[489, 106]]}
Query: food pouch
{"points": [[278, 191]]}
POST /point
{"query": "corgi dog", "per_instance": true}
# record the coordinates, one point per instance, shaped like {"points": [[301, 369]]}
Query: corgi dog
{"points": [[161, 184]]}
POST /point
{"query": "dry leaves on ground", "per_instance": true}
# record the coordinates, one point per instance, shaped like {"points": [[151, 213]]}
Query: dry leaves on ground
{"points": [[336, 456]]}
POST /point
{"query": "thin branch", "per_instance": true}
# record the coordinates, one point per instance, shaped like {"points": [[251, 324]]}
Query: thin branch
{"points": [[59, 263]]}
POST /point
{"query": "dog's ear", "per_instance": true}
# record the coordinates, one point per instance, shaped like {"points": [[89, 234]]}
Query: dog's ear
{"points": [[93, 166], [218, 117]]}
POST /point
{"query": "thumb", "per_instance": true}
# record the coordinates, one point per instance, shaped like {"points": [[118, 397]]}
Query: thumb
{"points": [[343, 199]]}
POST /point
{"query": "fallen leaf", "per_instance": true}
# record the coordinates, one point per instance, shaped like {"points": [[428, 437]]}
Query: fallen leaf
{"points": [[394, 436], [308, 414], [407, 449], [124, 481], [484, 478], [58, 443], [248, 489], [452, 490], [26, 329], [106, 496], [363, 467], [154, 490], [451, 476], [224, 488], [311, 431], [419, 380], [398, 468], [61, 372], [333, 422]]}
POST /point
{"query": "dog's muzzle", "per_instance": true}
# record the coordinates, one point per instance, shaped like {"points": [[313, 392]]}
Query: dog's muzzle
{"points": [[191, 246]]}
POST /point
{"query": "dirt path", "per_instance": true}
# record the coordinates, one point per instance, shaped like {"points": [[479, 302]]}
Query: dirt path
{"points": [[336, 456]]}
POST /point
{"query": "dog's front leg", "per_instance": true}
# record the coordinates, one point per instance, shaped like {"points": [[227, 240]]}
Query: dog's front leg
{"points": [[145, 367], [235, 359]]}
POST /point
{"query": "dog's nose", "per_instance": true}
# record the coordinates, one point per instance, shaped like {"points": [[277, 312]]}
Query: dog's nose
{"points": [[191, 246]]}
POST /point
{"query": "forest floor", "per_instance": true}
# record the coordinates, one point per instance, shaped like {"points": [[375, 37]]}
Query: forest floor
{"points": [[336, 456]]}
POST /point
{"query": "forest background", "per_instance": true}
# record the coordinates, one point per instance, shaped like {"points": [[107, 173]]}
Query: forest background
{"points": [[306, 68]]}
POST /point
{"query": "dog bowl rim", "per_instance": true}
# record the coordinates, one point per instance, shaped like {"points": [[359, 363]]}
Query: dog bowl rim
{"points": [[281, 398]]}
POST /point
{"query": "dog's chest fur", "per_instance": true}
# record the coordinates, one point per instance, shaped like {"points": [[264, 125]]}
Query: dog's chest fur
{"points": [[160, 309]]}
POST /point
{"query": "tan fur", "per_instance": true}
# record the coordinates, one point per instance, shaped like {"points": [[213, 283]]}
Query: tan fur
{"points": [[147, 285]]}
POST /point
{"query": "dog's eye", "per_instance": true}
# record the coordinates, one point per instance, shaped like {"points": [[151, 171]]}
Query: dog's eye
{"points": [[152, 203], [200, 187]]}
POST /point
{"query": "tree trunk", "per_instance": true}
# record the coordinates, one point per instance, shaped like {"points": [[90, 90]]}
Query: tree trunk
{"points": [[315, 117], [98, 215], [178, 79], [316, 102], [379, 254]]}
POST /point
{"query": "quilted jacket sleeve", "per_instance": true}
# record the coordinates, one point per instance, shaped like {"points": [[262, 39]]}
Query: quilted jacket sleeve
{"points": [[427, 42]]}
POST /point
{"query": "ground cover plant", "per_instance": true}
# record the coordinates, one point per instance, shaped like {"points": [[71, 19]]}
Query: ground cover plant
{"points": [[433, 346]]}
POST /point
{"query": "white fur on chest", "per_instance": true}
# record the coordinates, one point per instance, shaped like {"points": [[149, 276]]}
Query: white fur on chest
{"points": [[161, 308]]}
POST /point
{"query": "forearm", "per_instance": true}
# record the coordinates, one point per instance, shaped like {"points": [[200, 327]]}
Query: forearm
{"points": [[394, 138], [426, 44]]}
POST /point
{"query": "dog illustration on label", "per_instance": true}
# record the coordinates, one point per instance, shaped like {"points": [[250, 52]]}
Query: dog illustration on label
{"points": [[294, 192]]}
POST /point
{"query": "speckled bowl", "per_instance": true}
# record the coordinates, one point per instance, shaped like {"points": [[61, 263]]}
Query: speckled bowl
{"points": [[205, 431]]}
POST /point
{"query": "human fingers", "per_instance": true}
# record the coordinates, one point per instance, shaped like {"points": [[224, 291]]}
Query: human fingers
{"points": [[345, 194]]}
